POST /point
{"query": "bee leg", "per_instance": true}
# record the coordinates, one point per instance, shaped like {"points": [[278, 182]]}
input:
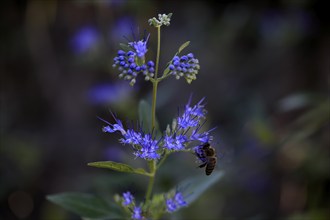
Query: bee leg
{"points": [[202, 165]]}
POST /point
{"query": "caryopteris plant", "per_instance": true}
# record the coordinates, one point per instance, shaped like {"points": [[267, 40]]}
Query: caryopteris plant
{"points": [[185, 134]]}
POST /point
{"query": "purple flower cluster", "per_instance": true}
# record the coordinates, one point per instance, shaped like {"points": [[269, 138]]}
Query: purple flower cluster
{"points": [[137, 213], [129, 201], [192, 115], [129, 65], [185, 66], [175, 203], [140, 47], [187, 130], [191, 119], [144, 145]]}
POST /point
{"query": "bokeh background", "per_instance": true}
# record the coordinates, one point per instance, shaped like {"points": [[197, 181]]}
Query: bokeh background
{"points": [[264, 71]]}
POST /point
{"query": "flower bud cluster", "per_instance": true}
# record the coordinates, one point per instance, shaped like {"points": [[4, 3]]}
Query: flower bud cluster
{"points": [[185, 66], [128, 200], [129, 67], [163, 19]]}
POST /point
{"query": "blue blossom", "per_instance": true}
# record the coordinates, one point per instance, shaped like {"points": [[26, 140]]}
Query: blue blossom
{"points": [[179, 200], [203, 137], [127, 198], [170, 205], [199, 152], [192, 115], [175, 142], [175, 203], [185, 66], [186, 128], [111, 128], [149, 147], [145, 146], [137, 213], [140, 47]]}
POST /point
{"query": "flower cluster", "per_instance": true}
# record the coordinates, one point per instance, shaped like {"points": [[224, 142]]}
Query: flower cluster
{"points": [[175, 203], [140, 47], [191, 119], [185, 66], [192, 115], [163, 19], [144, 145], [129, 201], [147, 147], [129, 66]]}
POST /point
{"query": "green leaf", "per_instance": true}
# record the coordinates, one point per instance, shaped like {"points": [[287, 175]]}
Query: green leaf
{"points": [[166, 71], [184, 45], [86, 205], [118, 167], [194, 187]]}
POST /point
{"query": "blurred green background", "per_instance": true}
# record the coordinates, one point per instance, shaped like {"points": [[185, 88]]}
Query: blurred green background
{"points": [[264, 71]]}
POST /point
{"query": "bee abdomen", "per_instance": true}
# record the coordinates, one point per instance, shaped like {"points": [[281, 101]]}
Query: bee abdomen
{"points": [[210, 166]]}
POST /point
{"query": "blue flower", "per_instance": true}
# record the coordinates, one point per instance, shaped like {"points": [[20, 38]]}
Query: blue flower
{"points": [[127, 198], [187, 128], [179, 200], [140, 47], [111, 128], [175, 142], [185, 66], [199, 152], [203, 137], [192, 115], [170, 205], [175, 203], [149, 147], [143, 143], [137, 213]]}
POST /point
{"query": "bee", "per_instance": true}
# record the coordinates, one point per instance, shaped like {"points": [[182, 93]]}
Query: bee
{"points": [[207, 155]]}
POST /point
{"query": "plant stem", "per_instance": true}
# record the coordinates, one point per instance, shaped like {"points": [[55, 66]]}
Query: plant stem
{"points": [[158, 51], [152, 164], [153, 105], [155, 83]]}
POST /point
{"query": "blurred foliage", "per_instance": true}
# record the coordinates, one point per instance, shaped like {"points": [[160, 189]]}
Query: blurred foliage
{"points": [[264, 71]]}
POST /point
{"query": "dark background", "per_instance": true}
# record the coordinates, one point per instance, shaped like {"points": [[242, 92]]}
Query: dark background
{"points": [[264, 72]]}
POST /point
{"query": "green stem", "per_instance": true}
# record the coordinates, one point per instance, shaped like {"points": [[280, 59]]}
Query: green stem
{"points": [[155, 83], [152, 164], [158, 51], [153, 105]]}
